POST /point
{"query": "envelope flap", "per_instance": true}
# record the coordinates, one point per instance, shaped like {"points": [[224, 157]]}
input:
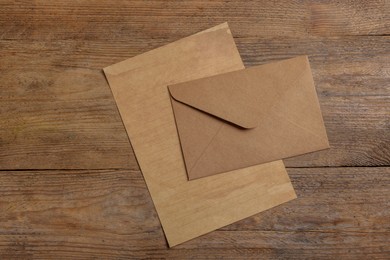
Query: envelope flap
{"points": [[227, 98]]}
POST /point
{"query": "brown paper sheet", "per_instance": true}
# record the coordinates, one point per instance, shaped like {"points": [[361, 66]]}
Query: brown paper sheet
{"points": [[188, 209], [248, 117]]}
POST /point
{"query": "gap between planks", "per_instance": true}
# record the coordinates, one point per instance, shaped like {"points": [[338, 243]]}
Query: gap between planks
{"points": [[134, 170]]}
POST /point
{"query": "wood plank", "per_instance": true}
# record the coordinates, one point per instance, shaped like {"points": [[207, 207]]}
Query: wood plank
{"points": [[305, 245], [89, 134], [61, 119], [103, 20], [341, 199], [358, 130], [77, 210], [78, 213], [341, 65]]}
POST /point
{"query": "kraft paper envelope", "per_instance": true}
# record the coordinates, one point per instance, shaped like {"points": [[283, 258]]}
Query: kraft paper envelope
{"points": [[188, 209], [248, 117]]}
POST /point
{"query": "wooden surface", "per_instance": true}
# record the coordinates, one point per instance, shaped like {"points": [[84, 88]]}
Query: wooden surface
{"points": [[70, 186]]}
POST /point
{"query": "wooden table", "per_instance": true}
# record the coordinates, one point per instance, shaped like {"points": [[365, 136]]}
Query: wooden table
{"points": [[70, 186]]}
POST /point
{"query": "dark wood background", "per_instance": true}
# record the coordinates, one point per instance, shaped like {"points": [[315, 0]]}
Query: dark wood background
{"points": [[70, 186]]}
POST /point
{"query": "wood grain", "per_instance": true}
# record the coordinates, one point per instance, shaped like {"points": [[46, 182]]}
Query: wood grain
{"points": [[54, 118], [68, 113], [89, 134], [358, 131], [353, 64], [94, 20], [56, 111], [341, 212]]}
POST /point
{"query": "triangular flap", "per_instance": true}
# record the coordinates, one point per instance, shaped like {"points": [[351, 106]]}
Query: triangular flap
{"points": [[223, 96], [242, 97]]}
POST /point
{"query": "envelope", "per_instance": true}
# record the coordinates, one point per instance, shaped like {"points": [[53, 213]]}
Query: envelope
{"points": [[248, 117], [187, 209]]}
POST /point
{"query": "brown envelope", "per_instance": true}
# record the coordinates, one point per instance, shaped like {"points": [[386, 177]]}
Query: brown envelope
{"points": [[188, 209], [248, 117]]}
